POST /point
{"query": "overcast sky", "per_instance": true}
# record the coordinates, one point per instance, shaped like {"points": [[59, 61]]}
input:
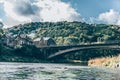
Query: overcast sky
{"points": [[13, 12]]}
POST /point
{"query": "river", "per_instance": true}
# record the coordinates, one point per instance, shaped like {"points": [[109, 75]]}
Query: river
{"points": [[50, 71]]}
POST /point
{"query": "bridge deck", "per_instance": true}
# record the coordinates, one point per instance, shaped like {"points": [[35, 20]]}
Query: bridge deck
{"points": [[84, 48], [84, 45]]}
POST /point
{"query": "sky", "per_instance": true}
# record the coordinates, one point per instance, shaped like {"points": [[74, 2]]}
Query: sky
{"points": [[14, 12]]}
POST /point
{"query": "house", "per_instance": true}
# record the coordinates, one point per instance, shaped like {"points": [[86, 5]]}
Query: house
{"points": [[13, 41], [8, 40], [44, 41], [23, 39], [32, 35]]}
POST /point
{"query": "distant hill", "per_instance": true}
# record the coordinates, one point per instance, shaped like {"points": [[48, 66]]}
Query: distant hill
{"points": [[68, 33]]}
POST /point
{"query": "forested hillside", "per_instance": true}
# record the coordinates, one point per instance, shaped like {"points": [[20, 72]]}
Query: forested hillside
{"points": [[64, 33], [68, 33]]}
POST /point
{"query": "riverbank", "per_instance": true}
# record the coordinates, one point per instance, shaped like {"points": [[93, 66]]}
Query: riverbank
{"points": [[112, 62], [21, 59], [29, 59]]}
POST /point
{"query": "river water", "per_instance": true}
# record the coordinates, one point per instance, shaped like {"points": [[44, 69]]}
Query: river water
{"points": [[49, 71]]}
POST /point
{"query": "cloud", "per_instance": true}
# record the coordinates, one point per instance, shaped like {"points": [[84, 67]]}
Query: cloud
{"points": [[111, 17], [24, 8], [13, 10], [56, 10], [0, 20], [21, 11], [1, 1]]}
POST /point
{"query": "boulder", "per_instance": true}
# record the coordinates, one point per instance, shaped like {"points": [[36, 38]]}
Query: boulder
{"points": [[117, 65]]}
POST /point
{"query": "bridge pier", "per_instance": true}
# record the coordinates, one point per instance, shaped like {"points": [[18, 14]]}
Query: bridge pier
{"points": [[47, 51]]}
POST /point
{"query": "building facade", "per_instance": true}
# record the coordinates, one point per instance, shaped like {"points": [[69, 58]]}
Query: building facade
{"points": [[44, 41]]}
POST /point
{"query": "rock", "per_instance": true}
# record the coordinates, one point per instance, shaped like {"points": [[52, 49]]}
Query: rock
{"points": [[117, 65]]}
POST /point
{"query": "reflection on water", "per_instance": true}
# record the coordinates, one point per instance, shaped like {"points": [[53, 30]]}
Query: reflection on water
{"points": [[40, 71]]}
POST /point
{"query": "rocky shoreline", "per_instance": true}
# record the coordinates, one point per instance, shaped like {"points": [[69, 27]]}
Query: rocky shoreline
{"points": [[111, 62]]}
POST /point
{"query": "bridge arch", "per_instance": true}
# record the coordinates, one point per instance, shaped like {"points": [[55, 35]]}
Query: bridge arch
{"points": [[81, 48]]}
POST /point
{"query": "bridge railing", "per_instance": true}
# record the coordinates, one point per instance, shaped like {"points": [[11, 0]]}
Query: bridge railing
{"points": [[91, 43]]}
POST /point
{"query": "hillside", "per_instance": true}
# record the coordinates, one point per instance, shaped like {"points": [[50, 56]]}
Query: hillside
{"points": [[64, 33], [68, 33]]}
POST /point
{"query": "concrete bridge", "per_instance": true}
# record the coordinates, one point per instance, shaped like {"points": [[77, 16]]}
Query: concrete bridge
{"points": [[54, 51]]}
